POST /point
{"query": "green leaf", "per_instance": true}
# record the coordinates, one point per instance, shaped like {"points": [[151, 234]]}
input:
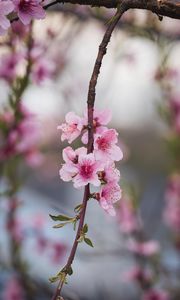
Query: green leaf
{"points": [[60, 218], [85, 228], [88, 242], [54, 278], [74, 225], [60, 225], [78, 208]]}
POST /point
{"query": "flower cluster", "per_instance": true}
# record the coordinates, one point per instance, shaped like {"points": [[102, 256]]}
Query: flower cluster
{"points": [[26, 10], [96, 168], [20, 137], [44, 64]]}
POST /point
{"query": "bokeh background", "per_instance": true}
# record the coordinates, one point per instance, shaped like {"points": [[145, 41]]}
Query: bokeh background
{"points": [[139, 76]]}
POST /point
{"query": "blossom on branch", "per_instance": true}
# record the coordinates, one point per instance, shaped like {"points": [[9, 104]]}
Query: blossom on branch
{"points": [[105, 147], [109, 194], [27, 10], [6, 7], [72, 128], [96, 168], [100, 119]]}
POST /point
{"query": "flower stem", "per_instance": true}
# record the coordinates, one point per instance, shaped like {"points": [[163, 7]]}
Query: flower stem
{"points": [[90, 108]]}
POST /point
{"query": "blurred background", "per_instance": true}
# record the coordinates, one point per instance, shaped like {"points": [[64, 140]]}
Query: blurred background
{"points": [[139, 82]]}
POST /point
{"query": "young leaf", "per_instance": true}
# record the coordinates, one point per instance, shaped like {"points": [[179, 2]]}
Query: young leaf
{"points": [[54, 278], [70, 271], [60, 225], [60, 218], [88, 242], [85, 228], [78, 208], [74, 225]]}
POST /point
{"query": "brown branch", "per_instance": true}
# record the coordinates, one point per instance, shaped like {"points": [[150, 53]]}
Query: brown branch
{"points": [[126, 25], [90, 107], [159, 7]]}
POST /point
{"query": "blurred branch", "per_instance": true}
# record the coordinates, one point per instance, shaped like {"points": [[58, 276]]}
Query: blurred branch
{"points": [[127, 25]]}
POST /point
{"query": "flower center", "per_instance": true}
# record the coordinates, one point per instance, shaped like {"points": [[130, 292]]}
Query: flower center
{"points": [[86, 171], [103, 144]]}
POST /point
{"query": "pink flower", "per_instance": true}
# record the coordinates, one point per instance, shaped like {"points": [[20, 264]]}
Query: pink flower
{"points": [[105, 147], [71, 157], [15, 229], [58, 252], [87, 169], [8, 66], [72, 128], [28, 10], [34, 158], [5, 8], [42, 244], [22, 138], [172, 208], [127, 217], [155, 294], [144, 248], [13, 290], [138, 274], [100, 118], [19, 29], [42, 70], [109, 194], [29, 134], [109, 174]]}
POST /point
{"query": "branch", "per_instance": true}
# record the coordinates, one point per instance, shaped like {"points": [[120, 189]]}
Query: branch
{"points": [[127, 25], [161, 8], [90, 107]]}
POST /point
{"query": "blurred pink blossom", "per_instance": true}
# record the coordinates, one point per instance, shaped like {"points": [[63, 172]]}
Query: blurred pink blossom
{"points": [[155, 294], [172, 206], [144, 248], [127, 216], [22, 138], [28, 10], [13, 290], [5, 8], [138, 274], [8, 66], [58, 252], [19, 29], [42, 70]]}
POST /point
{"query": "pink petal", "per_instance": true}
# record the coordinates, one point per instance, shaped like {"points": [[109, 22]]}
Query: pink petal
{"points": [[24, 17], [4, 22], [6, 7]]}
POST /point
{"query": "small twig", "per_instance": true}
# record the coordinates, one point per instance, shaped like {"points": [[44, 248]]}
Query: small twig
{"points": [[90, 107]]}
